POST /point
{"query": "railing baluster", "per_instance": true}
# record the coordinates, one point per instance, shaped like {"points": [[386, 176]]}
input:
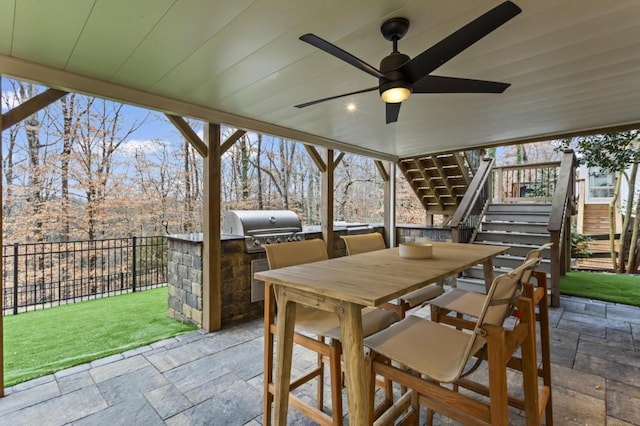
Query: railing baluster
{"points": [[133, 282], [15, 278]]}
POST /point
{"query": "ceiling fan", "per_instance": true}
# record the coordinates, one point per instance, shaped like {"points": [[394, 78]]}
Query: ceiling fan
{"points": [[399, 76]]}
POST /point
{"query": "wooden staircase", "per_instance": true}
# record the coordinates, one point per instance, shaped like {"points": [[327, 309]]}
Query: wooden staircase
{"points": [[522, 227], [446, 184], [439, 181]]}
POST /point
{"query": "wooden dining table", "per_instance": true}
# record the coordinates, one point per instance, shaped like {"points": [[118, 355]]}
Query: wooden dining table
{"points": [[345, 285]]}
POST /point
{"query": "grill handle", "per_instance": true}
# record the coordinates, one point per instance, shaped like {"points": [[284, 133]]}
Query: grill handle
{"points": [[272, 231]]}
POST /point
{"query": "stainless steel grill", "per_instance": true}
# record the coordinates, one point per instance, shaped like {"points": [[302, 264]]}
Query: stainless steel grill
{"points": [[260, 227]]}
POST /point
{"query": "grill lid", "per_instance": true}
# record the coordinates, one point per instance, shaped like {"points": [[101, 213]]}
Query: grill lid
{"points": [[254, 222]]}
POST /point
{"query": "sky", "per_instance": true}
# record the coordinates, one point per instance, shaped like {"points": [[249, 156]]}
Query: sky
{"points": [[155, 127]]}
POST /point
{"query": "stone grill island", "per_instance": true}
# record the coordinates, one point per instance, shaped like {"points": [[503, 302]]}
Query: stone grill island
{"points": [[185, 271]]}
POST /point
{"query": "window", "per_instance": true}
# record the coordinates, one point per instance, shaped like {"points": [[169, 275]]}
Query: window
{"points": [[601, 183]]}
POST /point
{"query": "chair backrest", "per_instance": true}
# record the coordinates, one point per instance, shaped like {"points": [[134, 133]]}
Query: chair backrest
{"points": [[295, 253], [534, 254], [503, 293], [363, 243]]}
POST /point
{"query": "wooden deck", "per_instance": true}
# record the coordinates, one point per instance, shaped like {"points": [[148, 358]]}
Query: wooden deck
{"points": [[600, 259]]}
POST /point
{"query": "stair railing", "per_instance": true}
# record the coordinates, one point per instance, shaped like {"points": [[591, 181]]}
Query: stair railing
{"points": [[467, 217], [529, 183], [562, 208]]}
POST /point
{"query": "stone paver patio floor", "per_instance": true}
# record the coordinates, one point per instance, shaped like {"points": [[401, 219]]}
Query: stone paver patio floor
{"points": [[216, 378]]}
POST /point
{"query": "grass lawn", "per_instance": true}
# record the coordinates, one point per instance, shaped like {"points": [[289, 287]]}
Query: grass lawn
{"points": [[42, 342], [602, 286]]}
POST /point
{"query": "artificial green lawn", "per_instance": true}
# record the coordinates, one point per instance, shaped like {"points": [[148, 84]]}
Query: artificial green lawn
{"points": [[42, 342], [602, 286]]}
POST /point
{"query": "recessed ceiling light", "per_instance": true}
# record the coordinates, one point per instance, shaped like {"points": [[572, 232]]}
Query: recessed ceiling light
{"points": [[351, 106]]}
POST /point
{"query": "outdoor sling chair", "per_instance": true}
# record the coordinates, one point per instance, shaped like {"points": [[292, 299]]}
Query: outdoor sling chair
{"points": [[431, 354], [468, 304]]}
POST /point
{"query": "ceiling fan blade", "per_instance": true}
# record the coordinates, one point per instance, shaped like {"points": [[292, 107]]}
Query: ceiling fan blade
{"points": [[392, 111], [438, 84], [317, 101], [443, 51], [341, 54]]}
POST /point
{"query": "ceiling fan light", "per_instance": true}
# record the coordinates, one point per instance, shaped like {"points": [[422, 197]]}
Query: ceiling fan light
{"points": [[395, 95]]}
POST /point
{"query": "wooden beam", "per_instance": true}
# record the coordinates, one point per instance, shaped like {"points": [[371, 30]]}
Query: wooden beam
{"points": [[429, 182], [382, 170], [437, 162], [338, 159], [1, 269], [30, 107], [316, 157], [72, 82], [327, 201], [231, 140], [211, 246], [466, 175], [412, 183], [188, 133]]}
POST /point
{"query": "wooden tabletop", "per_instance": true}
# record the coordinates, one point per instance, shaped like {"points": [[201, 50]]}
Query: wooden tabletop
{"points": [[373, 278]]}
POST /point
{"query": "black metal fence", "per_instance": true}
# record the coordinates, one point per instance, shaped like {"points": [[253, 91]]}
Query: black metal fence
{"points": [[40, 275]]}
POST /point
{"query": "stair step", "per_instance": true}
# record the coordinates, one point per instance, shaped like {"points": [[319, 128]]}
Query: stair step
{"points": [[516, 249], [504, 266], [534, 228], [517, 207], [471, 284], [517, 217], [512, 262], [513, 238]]}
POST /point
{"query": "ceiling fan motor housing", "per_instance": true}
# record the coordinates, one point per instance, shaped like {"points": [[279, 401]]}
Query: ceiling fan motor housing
{"points": [[393, 77]]}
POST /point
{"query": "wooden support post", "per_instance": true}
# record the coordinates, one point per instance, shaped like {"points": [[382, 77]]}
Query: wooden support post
{"points": [[211, 248], [1, 281], [388, 174], [499, 197], [327, 201]]}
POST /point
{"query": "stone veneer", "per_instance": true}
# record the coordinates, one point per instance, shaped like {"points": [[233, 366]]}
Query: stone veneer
{"points": [[185, 277]]}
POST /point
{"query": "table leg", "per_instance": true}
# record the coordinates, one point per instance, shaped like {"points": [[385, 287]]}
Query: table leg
{"points": [[284, 331], [269, 316], [353, 350], [487, 268]]}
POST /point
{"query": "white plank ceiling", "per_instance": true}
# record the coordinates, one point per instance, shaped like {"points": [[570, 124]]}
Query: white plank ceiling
{"points": [[574, 65]]}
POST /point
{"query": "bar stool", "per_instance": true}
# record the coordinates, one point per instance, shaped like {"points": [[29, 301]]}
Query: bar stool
{"points": [[323, 325], [436, 353], [363, 243], [468, 303]]}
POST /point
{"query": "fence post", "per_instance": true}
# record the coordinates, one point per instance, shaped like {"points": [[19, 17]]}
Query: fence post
{"points": [[15, 278], [133, 269]]}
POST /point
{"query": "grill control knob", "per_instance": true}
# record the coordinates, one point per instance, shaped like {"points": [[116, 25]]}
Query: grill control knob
{"points": [[268, 241], [256, 242], [277, 240]]}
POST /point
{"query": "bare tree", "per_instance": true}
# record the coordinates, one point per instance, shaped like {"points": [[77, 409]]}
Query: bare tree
{"points": [[99, 135], [67, 104], [8, 157]]}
